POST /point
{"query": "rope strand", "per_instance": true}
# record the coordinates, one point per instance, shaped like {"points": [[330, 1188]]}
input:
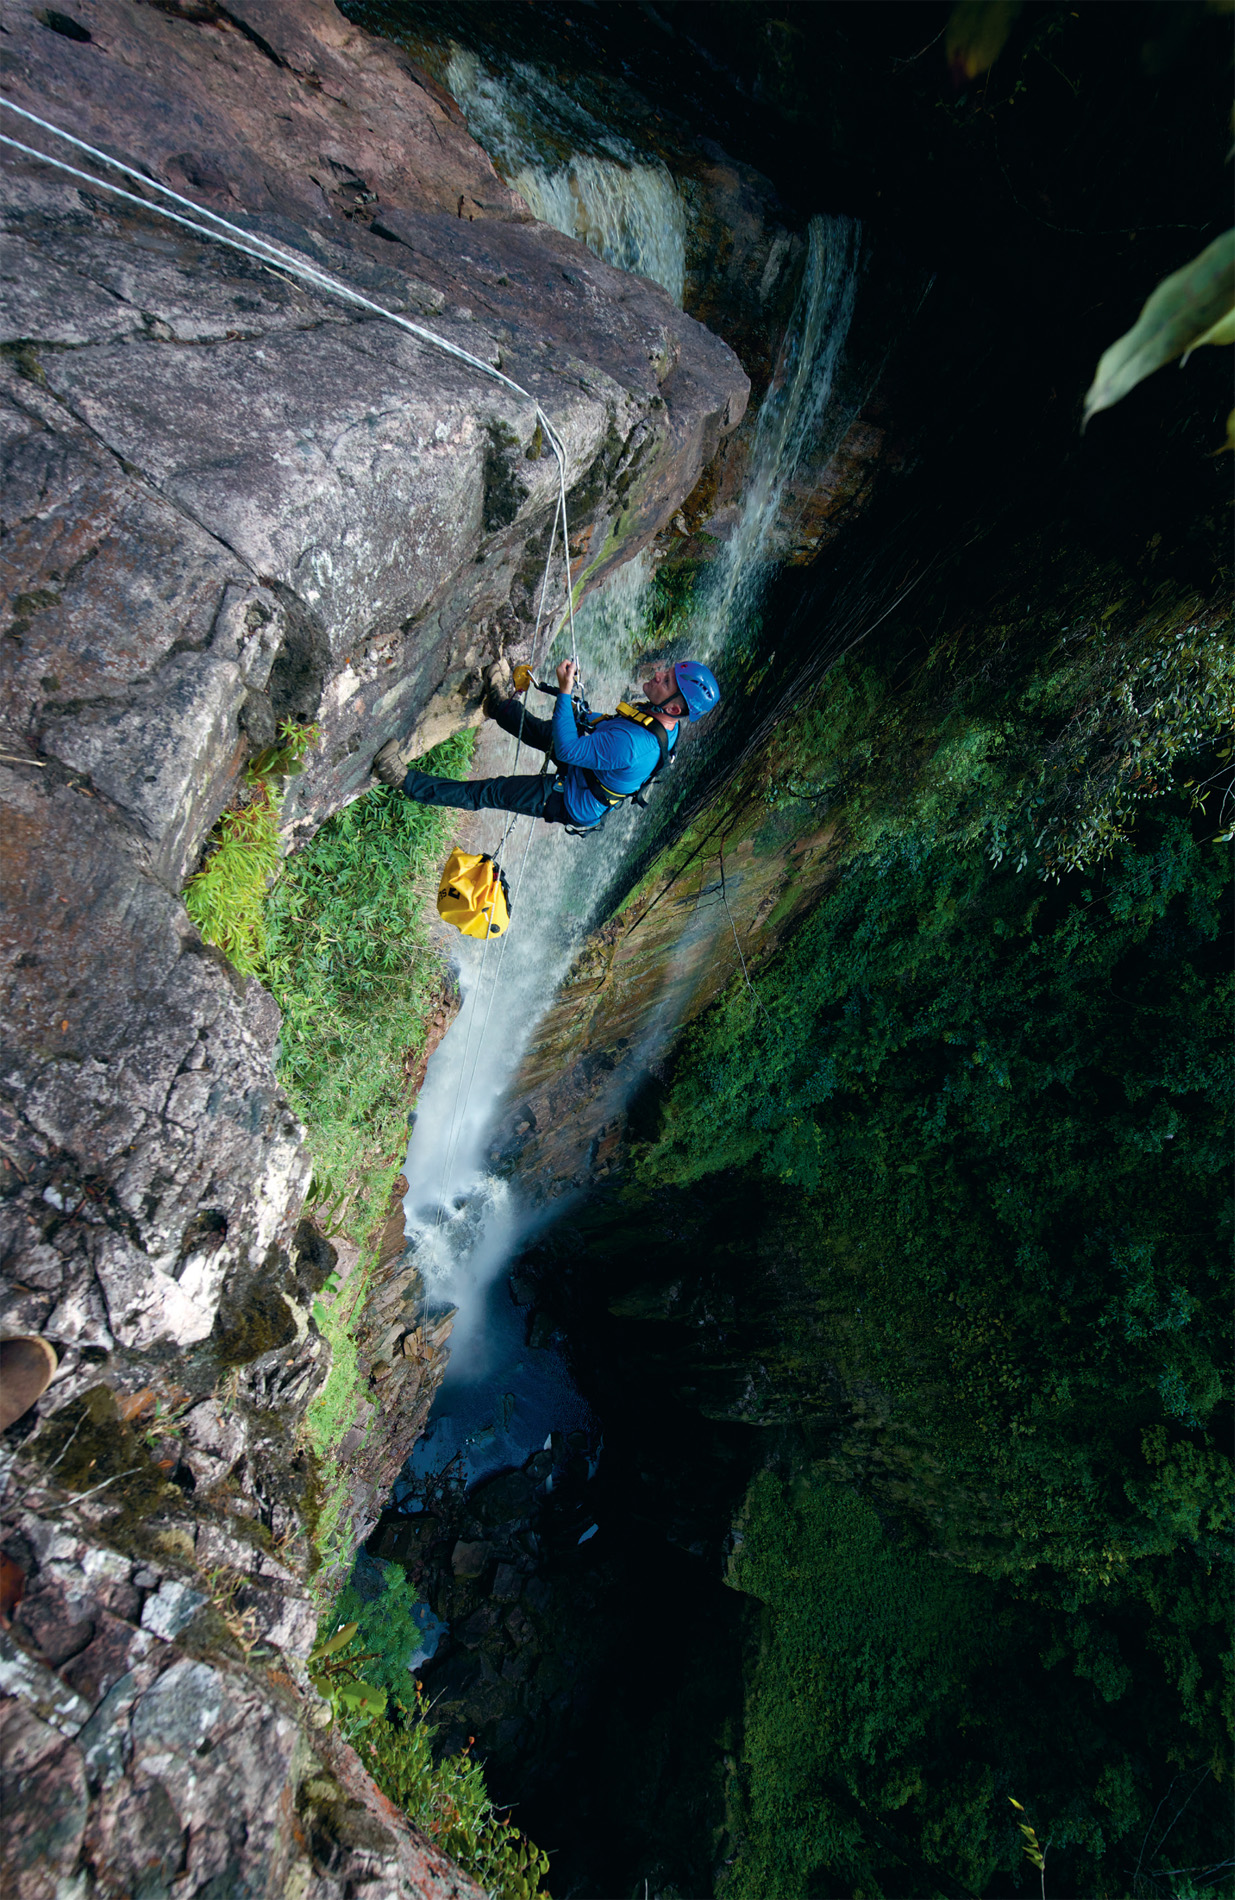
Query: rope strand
{"points": [[264, 251]]}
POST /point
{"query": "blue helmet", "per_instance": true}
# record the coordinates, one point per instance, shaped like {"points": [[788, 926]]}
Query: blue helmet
{"points": [[698, 686]]}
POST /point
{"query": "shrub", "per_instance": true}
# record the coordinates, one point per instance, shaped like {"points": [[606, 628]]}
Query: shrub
{"points": [[448, 1801], [227, 898], [387, 1631]]}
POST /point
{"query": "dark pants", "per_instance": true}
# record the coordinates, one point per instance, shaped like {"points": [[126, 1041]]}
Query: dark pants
{"points": [[531, 797]]}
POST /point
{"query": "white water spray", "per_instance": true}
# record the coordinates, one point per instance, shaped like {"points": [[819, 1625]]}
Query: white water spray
{"points": [[790, 429], [621, 203]]}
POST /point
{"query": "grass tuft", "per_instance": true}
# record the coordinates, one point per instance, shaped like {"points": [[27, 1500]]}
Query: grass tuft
{"points": [[350, 966], [227, 897]]}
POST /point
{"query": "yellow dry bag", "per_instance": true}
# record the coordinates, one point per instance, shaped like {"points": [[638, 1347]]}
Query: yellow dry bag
{"points": [[473, 895]]}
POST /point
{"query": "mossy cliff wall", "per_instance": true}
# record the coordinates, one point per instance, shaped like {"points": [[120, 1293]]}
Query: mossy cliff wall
{"points": [[227, 501]]}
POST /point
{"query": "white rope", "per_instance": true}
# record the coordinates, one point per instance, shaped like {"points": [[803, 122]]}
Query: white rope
{"points": [[264, 251]]}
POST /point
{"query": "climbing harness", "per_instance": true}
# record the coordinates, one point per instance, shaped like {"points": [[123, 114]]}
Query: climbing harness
{"points": [[474, 896], [605, 793]]}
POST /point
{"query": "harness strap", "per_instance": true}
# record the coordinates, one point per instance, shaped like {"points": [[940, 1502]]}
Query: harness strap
{"points": [[605, 793]]}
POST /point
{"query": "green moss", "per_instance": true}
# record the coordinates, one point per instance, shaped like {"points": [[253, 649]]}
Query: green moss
{"points": [[87, 1446]]}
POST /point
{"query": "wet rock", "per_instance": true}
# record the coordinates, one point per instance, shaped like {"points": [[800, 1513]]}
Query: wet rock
{"points": [[470, 1559], [543, 1332], [507, 1584], [503, 1500], [481, 1624], [538, 1596], [405, 1540], [519, 1626]]}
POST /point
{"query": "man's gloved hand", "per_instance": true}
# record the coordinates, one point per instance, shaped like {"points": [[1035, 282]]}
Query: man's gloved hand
{"points": [[522, 678]]}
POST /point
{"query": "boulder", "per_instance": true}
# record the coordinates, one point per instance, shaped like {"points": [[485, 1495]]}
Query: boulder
{"points": [[470, 1559], [503, 1500]]}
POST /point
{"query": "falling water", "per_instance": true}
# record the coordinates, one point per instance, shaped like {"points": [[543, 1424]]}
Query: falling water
{"points": [[790, 430], [463, 1222], [621, 203]]}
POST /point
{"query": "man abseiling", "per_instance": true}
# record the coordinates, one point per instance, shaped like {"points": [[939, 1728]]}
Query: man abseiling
{"points": [[597, 769]]}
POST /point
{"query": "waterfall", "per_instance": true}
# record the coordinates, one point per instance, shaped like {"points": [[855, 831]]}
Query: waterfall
{"points": [[791, 429], [465, 1223], [621, 203]]}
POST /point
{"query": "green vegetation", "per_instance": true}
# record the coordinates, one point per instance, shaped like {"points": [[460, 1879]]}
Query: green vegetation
{"points": [[334, 1671], [985, 1097], [362, 1671], [350, 967], [227, 898], [388, 1632], [339, 933], [448, 1801]]}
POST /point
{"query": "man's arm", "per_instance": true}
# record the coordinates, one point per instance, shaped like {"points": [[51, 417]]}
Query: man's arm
{"points": [[609, 749]]}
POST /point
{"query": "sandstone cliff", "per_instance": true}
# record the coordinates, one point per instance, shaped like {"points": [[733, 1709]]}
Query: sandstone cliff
{"points": [[227, 500]]}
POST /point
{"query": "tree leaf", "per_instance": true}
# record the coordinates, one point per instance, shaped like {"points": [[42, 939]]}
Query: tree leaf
{"points": [[1194, 305], [338, 1641], [1221, 332]]}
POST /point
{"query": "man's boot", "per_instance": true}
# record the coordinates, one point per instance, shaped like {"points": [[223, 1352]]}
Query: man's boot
{"points": [[498, 687], [388, 765], [26, 1368]]}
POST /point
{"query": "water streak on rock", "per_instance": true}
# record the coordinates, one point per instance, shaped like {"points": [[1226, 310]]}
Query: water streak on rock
{"points": [[621, 202], [793, 425]]}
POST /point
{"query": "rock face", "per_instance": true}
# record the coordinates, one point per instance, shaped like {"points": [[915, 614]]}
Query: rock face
{"points": [[225, 501], [147, 1748]]}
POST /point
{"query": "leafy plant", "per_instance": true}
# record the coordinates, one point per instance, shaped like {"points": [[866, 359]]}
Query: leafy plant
{"points": [[977, 33], [449, 1802], [1033, 1850], [1192, 307], [226, 898], [336, 1677], [387, 1627]]}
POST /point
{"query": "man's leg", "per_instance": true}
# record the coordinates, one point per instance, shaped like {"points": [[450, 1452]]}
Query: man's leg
{"points": [[531, 797], [513, 717]]}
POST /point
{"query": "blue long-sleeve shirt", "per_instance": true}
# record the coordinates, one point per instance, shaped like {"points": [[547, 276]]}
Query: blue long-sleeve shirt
{"points": [[622, 755]]}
